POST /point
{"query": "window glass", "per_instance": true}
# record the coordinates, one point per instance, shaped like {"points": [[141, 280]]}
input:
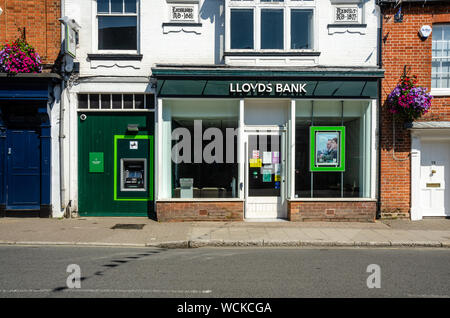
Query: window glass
{"points": [[106, 101], [209, 180], [103, 6], [242, 29], [150, 101], [440, 71], [130, 6], [117, 6], [355, 180], [117, 101], [301, 29], [117, 33], [94, 102], [127, 101], [83, 101], [272, 29], [200, 142], [139, 101]]}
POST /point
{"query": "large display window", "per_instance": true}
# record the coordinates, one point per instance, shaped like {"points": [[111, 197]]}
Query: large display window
{"points": [[317, 156], [201, 138]]}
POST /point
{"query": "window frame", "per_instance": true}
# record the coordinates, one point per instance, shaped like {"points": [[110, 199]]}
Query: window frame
{"points": [[257, 6], [95, 31], [439, 91]]}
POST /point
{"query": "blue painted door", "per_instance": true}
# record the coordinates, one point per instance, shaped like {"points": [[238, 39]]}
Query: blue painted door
{"points": [[23, 170]]}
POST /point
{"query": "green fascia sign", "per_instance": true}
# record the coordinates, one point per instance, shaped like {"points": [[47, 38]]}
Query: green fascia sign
{"points": [[296, 88], [96, 162], [327, 148]]}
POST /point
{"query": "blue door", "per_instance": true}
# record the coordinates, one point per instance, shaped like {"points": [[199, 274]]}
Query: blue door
{"points": [[23, 170]]}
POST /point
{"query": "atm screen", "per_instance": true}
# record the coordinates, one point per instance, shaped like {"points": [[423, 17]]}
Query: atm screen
{"points": [[133, 174]]}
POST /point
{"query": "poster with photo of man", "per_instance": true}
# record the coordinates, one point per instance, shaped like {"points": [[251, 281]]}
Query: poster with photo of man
{"points": [[327, 148]]}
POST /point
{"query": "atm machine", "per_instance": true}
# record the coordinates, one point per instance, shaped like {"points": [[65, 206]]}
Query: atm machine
{"points": [[134, 168]]}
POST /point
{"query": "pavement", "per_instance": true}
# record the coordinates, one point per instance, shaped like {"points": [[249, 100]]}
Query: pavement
{"points": [[94, 231]]}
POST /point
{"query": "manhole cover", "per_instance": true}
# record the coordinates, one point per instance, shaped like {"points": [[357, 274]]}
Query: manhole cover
{"points": [[128, 226]]}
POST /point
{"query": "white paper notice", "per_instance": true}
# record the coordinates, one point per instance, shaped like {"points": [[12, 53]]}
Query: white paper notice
{"points": [[267, 157]]}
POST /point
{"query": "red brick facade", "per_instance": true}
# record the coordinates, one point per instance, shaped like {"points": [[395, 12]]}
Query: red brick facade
{"points": [[402, 46], [40, 20], [173, 211], [350, 211]]}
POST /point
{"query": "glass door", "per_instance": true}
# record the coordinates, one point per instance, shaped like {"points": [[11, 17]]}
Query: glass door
{"points": [[265, 175]]}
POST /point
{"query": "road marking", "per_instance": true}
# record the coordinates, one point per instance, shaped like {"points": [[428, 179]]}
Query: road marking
{"points": [[158, 291]]}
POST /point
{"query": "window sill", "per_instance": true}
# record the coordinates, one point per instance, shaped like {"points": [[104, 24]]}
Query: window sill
{"points": [[440, 92], [115, 56], [181, 24], [346, 25], [274, 53]]}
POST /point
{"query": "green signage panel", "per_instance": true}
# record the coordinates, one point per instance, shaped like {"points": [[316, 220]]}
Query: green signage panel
{"points": [[96, 162], [327, 148]]}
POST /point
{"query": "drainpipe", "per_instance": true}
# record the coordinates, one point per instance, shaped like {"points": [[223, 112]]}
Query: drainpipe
{"points": [[380, 65], [61, 125]]}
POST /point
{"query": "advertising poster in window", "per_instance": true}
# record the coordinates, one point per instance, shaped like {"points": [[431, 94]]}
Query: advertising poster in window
{"points": [[327, 148]]}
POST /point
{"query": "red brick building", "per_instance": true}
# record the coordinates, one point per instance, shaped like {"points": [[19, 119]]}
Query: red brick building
{"points": [[30, 111], [39, 20], [415, 160]]}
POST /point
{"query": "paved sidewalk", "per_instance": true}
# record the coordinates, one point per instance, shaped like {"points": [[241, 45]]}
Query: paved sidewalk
{"points": [[99, 232]]}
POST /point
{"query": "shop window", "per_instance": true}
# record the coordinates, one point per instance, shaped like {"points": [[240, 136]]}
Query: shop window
{"points": [[117, 24], [116, 101], [440, 75], [192, 167], [272, 30], [355, 116]]}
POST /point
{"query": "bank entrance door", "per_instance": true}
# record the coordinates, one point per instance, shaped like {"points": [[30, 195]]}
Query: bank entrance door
{"points": [[265, 175]]}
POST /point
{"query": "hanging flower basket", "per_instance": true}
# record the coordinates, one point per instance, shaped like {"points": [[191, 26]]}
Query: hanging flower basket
{"points": [[19, 57], [408, 101]]}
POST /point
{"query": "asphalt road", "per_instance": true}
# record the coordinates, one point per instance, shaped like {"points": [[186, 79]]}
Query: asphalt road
{"points": [[30, 271]]}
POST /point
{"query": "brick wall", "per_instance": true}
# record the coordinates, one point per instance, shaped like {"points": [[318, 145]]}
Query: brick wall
{"points": [[171, 211], [402, 46], [40, 20], [334, 211]]}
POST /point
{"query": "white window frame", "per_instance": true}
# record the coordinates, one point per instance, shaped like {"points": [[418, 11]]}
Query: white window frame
{"points": [[445, 91], [95, 16], [257, 6]]}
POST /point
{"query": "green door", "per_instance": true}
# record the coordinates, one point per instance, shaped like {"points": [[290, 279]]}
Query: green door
{"points": [[116, 164]]}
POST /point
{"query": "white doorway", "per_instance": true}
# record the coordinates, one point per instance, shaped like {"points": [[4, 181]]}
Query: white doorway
{"points": [[435, 178], [265, 174]]}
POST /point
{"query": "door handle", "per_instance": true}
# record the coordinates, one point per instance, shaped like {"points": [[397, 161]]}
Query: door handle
{"points": [[9, 151]]}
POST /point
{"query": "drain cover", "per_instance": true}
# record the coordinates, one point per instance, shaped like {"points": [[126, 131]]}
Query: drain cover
{"points": [[128, 226]]}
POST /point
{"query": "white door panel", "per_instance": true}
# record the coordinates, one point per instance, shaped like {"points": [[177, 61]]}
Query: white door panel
{"points": [[434, 177]]}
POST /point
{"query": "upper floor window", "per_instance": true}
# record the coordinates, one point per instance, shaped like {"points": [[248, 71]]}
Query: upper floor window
{"points": [[440, 74], [117, 24], [270, 24]]}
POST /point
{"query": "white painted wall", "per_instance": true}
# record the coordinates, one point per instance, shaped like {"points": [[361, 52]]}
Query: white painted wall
{"points": [[204, 44]]}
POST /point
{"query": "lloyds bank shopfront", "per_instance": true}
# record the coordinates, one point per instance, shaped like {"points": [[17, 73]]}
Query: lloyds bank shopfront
{"points": [[238, 143]]}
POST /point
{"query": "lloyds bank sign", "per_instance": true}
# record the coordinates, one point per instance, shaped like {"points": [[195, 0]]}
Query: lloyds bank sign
{"points": [[256, 89]]}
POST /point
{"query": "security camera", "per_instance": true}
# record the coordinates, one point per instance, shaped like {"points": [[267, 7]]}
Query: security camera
{"points": [[83, 117]]}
